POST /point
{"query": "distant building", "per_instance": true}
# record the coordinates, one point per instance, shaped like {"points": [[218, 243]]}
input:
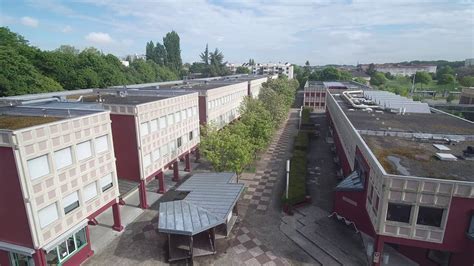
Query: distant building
{"points": [[125, 63], [273, 68], [399, 69], [467, 96], [469, 62]]}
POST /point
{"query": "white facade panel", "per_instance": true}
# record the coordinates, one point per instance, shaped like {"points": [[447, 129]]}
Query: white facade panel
{"points": [[48, 215]]}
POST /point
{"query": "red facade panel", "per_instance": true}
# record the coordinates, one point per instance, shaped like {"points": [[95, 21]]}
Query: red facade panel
{"points": [[13, 220], [202, 110], [125, 146]]}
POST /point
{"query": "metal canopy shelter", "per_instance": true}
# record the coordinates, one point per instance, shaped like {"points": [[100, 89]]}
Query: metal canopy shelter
{"points": [[191, 222]]}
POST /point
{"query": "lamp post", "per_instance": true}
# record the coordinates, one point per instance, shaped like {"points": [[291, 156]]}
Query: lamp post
{"points": [[301, 114], [287, 177]]}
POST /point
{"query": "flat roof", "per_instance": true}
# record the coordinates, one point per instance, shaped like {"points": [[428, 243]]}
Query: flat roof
{"points": [[434, 123], [210, 199], [403, 156]]}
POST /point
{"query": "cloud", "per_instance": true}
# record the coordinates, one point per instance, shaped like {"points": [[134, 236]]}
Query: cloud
{"points": [[66, 29], [99, 38], [30, 22]]}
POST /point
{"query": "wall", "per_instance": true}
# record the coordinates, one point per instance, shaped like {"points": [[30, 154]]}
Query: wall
{"points": [[53, 187], [125, 146], [14, 221], [202, 110], [351, 205], [4, 258], [227, 111]]}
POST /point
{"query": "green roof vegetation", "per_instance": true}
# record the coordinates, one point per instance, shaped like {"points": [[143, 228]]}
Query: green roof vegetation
{"points": [[13, 122]]}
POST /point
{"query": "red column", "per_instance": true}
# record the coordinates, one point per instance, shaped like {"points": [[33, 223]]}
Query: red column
{"points": [[161, 183], [39, 257], [175, 172], [188, 163], [142, 192], [198, 156], [378, 251], [117, 222]]}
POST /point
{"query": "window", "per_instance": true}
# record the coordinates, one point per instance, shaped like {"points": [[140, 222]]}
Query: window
{"points": [[106, 182], [156, 154], [153, 125], [144, 129], [84, 150], [430, 216], [63, 158], [64, 250], [101, 144], [369, 193], [48, 215], [172, 145], [147, 160], [170, 119], [38, 167], [164, 149], [376, 202], [162, 122], [71, 202], [398, 212], [439, 257], [183, 114], [190, 112], [180, 142], [20, 260], [177, 117], [194, 110], [470, 229], [90, 191]]}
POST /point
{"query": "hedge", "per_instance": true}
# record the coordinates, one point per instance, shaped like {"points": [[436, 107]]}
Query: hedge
{"points": [[297, 185]]}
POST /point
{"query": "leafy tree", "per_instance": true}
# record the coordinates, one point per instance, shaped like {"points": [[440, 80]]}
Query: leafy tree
{"points": [[467, 81], [251, 62], [360, 80], [345, 75], [389, 75], [446, 79], [161, 55], [150, 51], [146, 72], [450, 97], [205, 56], [173, 51], [378, 79], [422, 78], [442, 71], [371, 70], [67, 49], [242, 70], [19, 76], [258, 121], [330, 73]]}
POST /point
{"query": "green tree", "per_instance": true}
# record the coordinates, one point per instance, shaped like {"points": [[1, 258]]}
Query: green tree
{"points": [[360, 80], [345, 75], [161, 55], [371, 70], [467, 81], [173, 51], [242, 70], [258, 121], [251, 62], [446, 79], [450, 97], [440, 71], [150, 51], [205, 55], [422, 78], [378, 79], [330, 73]]}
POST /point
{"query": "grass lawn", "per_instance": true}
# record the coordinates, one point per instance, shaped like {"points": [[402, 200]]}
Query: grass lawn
{"points": [[402, 85]]}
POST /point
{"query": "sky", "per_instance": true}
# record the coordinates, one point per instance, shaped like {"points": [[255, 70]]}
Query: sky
{"points": [[321, 31]]}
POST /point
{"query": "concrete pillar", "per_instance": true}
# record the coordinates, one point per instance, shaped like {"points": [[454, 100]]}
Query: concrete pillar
{"points": [[39, 257], [378, 251], [188, 163], [117, 221], [175, 172], [142, 194], [161, 183]]}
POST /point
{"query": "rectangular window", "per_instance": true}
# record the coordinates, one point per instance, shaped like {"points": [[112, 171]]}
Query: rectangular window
{"points": [[83, 150], [147, 160], [399, 212], [177, 117], [106, 182], [183, 114], [439, 257], [172, 146], [71, 202], [62, 158], [170, 120], [156, 154], [144, 129], [184, 138], [38, 167], [189, 111], [90, 191], [430, 216], [154, 125], [48, 215], [64, 250], [164, 150], [162, 122], [179, 141], [101, 144], [194, 110]]}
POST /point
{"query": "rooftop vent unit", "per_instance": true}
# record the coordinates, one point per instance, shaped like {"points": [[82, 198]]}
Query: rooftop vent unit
{"points": [[446, 157], [441, 147]]}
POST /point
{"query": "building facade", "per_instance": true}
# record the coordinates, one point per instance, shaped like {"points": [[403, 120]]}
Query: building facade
{"points": [[273, 68], [58, 173], [395, 190]]}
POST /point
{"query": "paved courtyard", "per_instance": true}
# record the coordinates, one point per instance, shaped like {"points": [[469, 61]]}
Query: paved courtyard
{"points": [[255, 239]]}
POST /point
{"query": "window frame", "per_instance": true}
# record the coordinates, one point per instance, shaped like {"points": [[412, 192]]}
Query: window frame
{"points": [[441, 221], [69, 254], [74, 205], [93, 184], [410, 217], [106, 137], [29, 165], [109, 185], [61, 158], [90, 150]]}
